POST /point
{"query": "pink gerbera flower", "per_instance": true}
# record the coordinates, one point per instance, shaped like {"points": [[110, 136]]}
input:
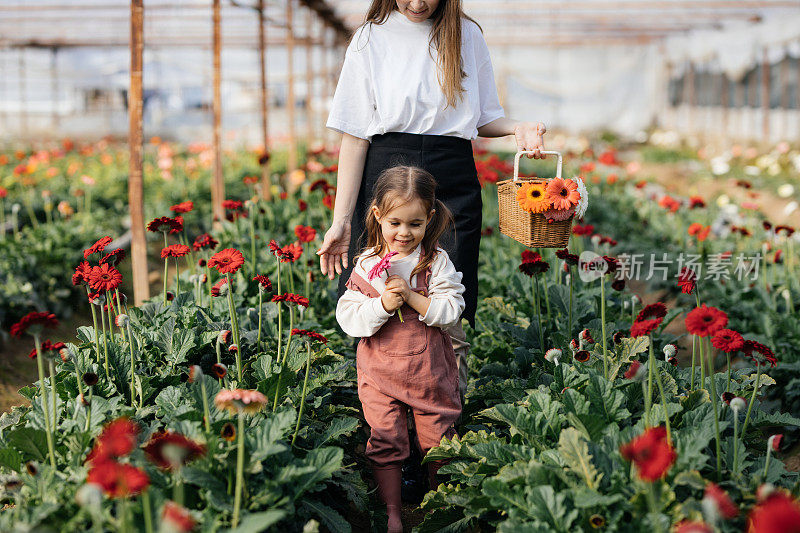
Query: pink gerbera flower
{"points": [[381, 267]]}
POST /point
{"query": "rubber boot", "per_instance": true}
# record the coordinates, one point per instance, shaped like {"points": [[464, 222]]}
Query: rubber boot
{"points": [[388, 481], [433, 468], [413, 475]]}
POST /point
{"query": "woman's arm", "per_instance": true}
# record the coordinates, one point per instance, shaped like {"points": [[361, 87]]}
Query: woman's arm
{"points": [[529, 135], [333, 253]]}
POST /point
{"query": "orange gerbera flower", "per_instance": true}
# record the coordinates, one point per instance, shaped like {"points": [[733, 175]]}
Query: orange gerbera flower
{"points": [[563, 193], [532, 197]]}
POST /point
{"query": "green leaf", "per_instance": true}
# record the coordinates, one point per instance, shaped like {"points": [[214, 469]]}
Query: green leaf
{"points": [[607, 401], [203, 479], [171, 403], [31, 442], [550, 507], [331, 518], [10, 458], [576, 454], [339, 427], [257, 522], [631, 347], [445, 520]]}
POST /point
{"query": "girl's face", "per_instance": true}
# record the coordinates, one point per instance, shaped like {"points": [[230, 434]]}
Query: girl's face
{"points": [[403, 226], [417, 10]]}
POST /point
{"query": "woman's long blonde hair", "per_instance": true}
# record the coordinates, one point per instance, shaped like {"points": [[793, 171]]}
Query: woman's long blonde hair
{"points": [[396, 186], [445, 37]]}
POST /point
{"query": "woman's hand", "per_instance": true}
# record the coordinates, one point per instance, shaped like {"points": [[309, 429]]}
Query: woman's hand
{"points": [[530, 137], [400, 285], [333, 252]]}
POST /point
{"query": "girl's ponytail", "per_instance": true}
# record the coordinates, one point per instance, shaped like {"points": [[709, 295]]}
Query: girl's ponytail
{"points": [[440, 222]]}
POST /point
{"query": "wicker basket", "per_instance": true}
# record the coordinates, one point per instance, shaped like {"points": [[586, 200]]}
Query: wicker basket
{"points": [[531, 229]]}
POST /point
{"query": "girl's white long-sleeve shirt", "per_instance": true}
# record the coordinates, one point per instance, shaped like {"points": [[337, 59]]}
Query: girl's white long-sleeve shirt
{"points": [[362, 316]]}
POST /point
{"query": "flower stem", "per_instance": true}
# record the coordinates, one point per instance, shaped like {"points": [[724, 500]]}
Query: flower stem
{"points": [[235, 328], [657, 373], [752, 399], [165, 280], [569, 333], [702, 363], [94, 323], [205, 404], [651, 500], [147, 511], [40, 367], [716, 415], [177, 278], [237, 498], [538, 310], [735, 442], [728, 387], [133, 363], [766, 462], [603, 324], [546, 298], [303, 396], [52, 368], [260, 305], [280, 314], [283, 360], [694, 339], [105, 343]]}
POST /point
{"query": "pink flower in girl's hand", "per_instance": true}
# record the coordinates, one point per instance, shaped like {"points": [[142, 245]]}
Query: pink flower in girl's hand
{"points": [[381, 267]]}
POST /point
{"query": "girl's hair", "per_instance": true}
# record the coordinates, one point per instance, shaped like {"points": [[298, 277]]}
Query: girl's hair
{"points": [[445, 37], [395, 187]]}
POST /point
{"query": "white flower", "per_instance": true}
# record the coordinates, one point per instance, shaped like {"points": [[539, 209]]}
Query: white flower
{"points": [[89, 495], [552, 355], [720, 166], [737, 404], [122, 320], [669, 351], [595, 240], [583, 203], [786, 190]]}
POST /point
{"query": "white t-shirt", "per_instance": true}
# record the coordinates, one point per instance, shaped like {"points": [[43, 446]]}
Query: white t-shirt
{"points": [[362, 316], [389, 83]]}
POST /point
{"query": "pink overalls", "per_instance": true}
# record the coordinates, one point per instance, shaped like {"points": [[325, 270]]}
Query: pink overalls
{"points": [[405, 364]]}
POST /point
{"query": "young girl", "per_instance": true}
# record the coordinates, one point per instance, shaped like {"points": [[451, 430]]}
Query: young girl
{"points": [[405, 358]]}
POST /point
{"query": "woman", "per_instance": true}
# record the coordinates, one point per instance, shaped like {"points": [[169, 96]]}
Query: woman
{"points": [[416, 87]]}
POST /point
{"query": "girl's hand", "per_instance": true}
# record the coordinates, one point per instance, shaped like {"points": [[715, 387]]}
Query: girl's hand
{"points": [[530, 137], [399, 284], [392, 300], [333, 253]]}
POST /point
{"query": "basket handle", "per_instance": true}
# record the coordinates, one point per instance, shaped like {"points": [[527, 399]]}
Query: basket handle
{"points": [[520, 153]]}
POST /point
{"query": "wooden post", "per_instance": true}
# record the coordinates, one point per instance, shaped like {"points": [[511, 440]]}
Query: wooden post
{"points": [[23, 97], [290, 101], [54, 89], [765, 96], [309, 80], [266, 182], [217, 184], [141, 287]]}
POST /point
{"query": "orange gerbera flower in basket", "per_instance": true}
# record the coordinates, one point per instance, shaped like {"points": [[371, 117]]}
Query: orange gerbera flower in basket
{"points": [[532, 197], [563, 193]]}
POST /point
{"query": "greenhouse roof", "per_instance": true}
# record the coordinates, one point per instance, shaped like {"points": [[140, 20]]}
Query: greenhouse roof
{"points": [[103, 23]]}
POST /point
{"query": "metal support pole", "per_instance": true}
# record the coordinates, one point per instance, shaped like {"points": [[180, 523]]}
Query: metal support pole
{"points": [[290, 98], [266, 182]]}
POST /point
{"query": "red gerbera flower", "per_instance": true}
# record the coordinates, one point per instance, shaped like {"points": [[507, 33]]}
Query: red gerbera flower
{"points": [[642, 328], [233, 205], [320, 184], [264, 283], [633, 370], [97, 247], [216, 289], [328, 201], [174, 250], [33, 319], [759, 353], [534, 268], [46, 348], [779, 513], [721, 501], [104, 278], [226, 261], [117, 439], [183, 207], [685, 526], [170, 450], [310, 334], [530, 257], [687, 280], [165, 224], [727, 340], [705, 321], [651, 453], [113, 257], [81, 274], [302, 205], [305, 233], [118, 480], [204, 241], [177, 518], [656, 310], [290, 298]]}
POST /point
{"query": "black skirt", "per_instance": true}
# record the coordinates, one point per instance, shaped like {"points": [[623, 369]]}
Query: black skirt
{"points": [[449, 160]]}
